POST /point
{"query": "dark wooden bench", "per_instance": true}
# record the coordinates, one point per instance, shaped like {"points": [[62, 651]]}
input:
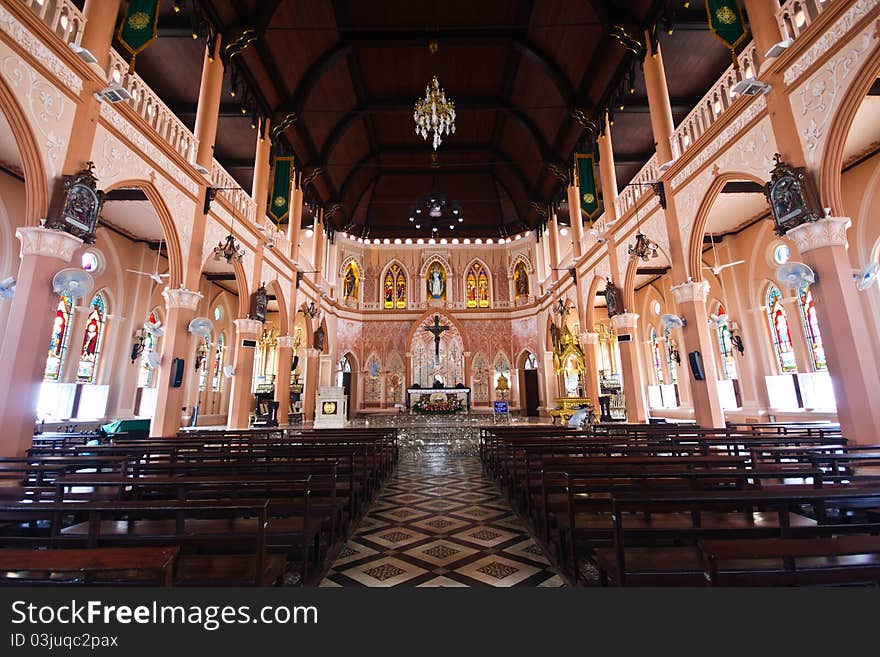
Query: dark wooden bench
{"points": [[117, 566]]}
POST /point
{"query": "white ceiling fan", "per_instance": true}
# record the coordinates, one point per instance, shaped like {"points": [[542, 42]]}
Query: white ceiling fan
{"points": [[155, 275], [716, 268]]}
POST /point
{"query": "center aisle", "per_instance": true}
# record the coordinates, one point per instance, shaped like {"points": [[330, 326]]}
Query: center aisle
{"points": [[440, 522]]}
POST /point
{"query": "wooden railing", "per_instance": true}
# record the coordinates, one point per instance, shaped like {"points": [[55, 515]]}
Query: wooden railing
{"points": [[152, 110], [62, 16]]}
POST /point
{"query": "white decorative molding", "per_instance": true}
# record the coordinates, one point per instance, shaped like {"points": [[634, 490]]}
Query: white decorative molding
{"points": [[830, 231], [39, 51], [588, 337], [146, 146], [286, 341], [248, 326], [49, 243], [180, 297], [691, 291], [725, 139], [625, 321], [835, 34]]}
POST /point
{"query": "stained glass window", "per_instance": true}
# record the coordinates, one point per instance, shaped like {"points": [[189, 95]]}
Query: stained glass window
{"points": [[725, 347], [671, 348], [657, 361], [59, 339], [145, 373], [811, 328], [204, 353], [531, 362], [92, 340], [779, 333], [394, 288], [477, 287], [218, 362]]}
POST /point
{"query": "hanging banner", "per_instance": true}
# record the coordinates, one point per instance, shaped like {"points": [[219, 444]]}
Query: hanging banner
{"points": [[727, 24], [282, 172], [138, 28], [586, 177]]}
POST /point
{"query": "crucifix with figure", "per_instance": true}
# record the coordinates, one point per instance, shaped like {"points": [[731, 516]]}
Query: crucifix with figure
{"points": [[436, 328]]}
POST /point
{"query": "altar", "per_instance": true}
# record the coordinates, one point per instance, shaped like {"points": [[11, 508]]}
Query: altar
{"points": [[462, 394]]}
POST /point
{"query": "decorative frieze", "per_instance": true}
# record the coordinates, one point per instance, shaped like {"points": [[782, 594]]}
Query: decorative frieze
{"points": [[248, 326], [830, 231], [625, 321]]}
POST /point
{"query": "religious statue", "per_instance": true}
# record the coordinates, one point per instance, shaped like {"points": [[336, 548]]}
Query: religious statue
{"points": [[350, 284], [612, 300], [521, 281], [319, 338], [436, 285]]}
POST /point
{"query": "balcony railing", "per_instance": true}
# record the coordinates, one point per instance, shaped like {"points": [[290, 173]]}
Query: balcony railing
{"points": [[62, 16], [240, 200], [152, 110], [630, 194], [794, 16]]}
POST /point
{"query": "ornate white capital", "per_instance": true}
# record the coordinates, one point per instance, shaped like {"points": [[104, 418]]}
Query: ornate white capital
{"points": [[691, 291], [248, 326], [50, 243], [625, 320], [286, 341], [589, 338], [180, 297], [830, 231]]}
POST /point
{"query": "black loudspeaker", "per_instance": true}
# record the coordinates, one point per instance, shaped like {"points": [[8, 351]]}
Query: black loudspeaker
{"points": [[177, 372], [696, 361]]}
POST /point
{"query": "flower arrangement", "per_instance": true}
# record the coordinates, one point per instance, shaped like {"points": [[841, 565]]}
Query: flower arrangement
{"points": [[445, 406]]}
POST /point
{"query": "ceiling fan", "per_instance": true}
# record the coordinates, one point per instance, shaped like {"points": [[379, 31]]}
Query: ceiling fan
{"points": [[155, 275], [716, 268]]}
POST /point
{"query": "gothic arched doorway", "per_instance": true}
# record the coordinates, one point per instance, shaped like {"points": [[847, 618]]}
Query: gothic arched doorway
{"points": [[530, 398]]}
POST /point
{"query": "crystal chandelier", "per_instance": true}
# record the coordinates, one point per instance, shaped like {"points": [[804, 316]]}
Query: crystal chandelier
{"points": [[644, 248], [434, 113]]}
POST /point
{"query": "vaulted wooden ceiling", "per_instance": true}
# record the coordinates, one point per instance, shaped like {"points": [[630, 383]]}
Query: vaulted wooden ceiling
{"points": [[344, 75]]}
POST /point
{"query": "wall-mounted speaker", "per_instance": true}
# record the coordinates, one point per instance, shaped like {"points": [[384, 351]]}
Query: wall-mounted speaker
{"points": [[177, 372], [696, 361]]}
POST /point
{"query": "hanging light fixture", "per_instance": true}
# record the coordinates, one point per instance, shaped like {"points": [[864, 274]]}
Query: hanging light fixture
{"points": [[644, 248], [435, 113], [227, 249]]}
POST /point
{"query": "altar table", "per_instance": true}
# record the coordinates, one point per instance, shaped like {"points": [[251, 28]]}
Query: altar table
{"points": [[464, 394]]}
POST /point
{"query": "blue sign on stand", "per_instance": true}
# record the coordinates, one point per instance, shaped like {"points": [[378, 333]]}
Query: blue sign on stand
{"points": [[501, 407]]}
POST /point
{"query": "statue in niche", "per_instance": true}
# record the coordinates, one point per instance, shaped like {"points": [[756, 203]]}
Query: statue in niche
{"points": [[436, 282], [319, 338], [612, 298]]}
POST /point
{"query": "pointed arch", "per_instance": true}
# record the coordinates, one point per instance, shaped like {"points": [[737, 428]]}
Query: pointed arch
{"points": [[283, 318], [395, 373], [59, 340], [477, 284], [395, 285], [780, 335], [93, 339], [481, 379]]}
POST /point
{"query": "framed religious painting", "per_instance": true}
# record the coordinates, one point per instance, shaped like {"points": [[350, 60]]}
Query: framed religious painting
{"points": [[80, 204], [259, 303], [792, 196]]}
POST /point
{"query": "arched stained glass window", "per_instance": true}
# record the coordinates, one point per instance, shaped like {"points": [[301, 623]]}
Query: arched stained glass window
{"points": [[59, 339], [779, 333], [476, 287], [811, 328], [671, 350], [531, 362], [145, 372], [656, 360], [218, 362], [92, 340], [725, 346], [204, 352], [394, 288]]}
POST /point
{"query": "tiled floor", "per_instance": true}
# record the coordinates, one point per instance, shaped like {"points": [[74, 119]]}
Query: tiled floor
{"points": [[440, 522]]}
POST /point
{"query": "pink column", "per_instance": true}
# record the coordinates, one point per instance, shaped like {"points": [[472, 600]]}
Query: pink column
{"points": [[97, 35], [311, 385], [180, 305], [690, 298], [658, 102], [845, 335], [283, 360], [208, 111], [590, 344], [631, 368], [577, 221], [260, 187], [294, 228], [240, 396], [553, 244], [318, 246], [607, 175], [23, 356]]}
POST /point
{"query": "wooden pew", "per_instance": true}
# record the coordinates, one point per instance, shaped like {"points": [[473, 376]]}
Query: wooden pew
{"points": [[145, 566]]}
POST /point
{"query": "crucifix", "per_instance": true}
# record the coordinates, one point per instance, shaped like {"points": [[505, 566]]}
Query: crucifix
{"points": [[436, 328]]}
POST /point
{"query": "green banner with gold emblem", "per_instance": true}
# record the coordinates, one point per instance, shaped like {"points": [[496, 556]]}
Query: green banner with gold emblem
{"points": [[279, 199], [727, 24], [138, 28], [586, 177]]}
